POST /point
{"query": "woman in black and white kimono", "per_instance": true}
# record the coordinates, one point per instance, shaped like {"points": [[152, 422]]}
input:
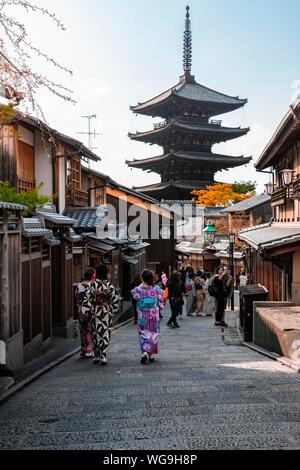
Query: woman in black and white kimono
{"points": [[101, 302]]}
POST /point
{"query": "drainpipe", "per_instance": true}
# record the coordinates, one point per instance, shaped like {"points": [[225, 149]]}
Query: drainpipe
{"points": [[54, 177]]}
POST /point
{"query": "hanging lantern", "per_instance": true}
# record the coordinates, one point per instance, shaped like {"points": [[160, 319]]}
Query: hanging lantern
{"points": [[269, 188], [287, 176], [209, 233]]}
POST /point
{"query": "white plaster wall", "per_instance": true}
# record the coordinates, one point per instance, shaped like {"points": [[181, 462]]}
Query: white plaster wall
{"points": [[62, 185], [43, 164]]}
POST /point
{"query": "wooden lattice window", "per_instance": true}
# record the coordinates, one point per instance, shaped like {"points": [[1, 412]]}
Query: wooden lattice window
{"points": [[73, 173]]}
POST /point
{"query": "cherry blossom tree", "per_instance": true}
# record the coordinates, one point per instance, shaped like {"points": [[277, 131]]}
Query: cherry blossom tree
{"points": [[19, 82]]}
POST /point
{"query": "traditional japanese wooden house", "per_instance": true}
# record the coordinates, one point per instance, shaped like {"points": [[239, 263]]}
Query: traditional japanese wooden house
{"points": [[32, 153], [273, 249], [253, 211], [126, 255], [187, 133]]}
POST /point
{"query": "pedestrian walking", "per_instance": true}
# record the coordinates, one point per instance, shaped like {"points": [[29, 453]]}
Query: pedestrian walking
{"points": [[136, 282], [85, 328], [209, 301], [243, 280], [175, 296], [150, 300], [190, 294], [101, 302], [199, 283], [219, 290]]}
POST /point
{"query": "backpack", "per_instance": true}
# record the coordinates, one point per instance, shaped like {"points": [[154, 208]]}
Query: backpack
{"points": [[211, 289], [147, 303]]}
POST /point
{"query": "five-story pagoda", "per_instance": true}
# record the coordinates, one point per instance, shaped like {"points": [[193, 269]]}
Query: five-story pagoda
{"points": [[187, 133]]}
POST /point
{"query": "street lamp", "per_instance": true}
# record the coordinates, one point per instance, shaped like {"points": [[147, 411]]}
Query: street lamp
{"points": [[287, 176], [231, 244], [209, 233], [269, 188]]}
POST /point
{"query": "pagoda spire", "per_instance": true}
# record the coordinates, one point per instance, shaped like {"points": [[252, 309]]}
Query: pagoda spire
{"points": [[187, 45]]}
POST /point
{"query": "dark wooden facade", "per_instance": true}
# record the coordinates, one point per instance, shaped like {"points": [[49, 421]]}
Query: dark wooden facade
{"points": [[36, 295], [62, 289], [11, 334], [275, 274]]}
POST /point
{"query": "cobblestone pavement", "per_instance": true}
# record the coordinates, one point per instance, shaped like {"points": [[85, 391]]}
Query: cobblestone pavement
{"points": [[201, 393]]}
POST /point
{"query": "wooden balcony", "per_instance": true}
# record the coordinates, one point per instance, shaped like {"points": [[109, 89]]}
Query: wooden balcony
{"points": [[77, 197], [25, 185], [280, 196]]}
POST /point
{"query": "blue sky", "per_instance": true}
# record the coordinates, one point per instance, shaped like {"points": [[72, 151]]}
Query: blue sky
{"points": [[122, 52]]}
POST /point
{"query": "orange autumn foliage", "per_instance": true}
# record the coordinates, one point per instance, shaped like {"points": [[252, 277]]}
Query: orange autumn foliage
{"points": [[221, 194]]}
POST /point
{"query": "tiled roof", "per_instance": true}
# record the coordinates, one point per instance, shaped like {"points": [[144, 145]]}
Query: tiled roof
{"points": [[182, 184], [85, 218], [34, 227], [183, 208], [12, 206], [129, 259], [196, 157], [269, 236], [248, 204], [213, 211], [204, 129], [192, 91]]}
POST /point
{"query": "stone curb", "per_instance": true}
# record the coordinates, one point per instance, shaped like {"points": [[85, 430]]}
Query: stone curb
{"points": [[276, 357], [28, 380]]}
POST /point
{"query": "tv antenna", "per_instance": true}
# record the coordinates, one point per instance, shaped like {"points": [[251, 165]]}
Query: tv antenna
{"points": [[91, 134]]}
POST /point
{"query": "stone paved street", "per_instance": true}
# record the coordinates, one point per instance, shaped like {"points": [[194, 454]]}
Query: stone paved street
{"points": [[200, 394]]}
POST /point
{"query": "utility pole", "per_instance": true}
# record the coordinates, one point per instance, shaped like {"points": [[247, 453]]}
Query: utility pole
{"points": [[91, 134]]}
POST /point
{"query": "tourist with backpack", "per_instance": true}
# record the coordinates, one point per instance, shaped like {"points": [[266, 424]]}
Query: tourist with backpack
{"points": [[150, 301], [101, 303], [219, 288]]}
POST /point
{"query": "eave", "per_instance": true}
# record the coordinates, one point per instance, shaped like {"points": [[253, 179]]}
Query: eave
{"points": [[202, 158], [219, 133], [190, 94]]}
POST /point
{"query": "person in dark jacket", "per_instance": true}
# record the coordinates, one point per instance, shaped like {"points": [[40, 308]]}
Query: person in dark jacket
{"points": [[221, 287], [175, 296]]}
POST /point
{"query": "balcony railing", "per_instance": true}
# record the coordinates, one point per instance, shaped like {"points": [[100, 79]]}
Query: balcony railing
{"points": [[285, 193], [77, 197], [160, 125], [215, 122]]}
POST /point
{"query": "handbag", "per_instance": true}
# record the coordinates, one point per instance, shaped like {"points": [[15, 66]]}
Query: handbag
{"points": [[166, 293]]}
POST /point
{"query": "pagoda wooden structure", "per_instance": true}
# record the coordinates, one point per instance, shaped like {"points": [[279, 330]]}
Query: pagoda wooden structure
{"points": [[187, 133]]}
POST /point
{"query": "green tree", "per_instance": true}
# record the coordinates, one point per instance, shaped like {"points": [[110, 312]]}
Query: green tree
{"points": [[31, 198], [244, 187]]}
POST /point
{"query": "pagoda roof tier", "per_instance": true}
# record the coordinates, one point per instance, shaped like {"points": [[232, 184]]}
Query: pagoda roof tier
{"points": [[174, 189], [188, 95], [212, 133], [202, 158], [180, 184]]}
